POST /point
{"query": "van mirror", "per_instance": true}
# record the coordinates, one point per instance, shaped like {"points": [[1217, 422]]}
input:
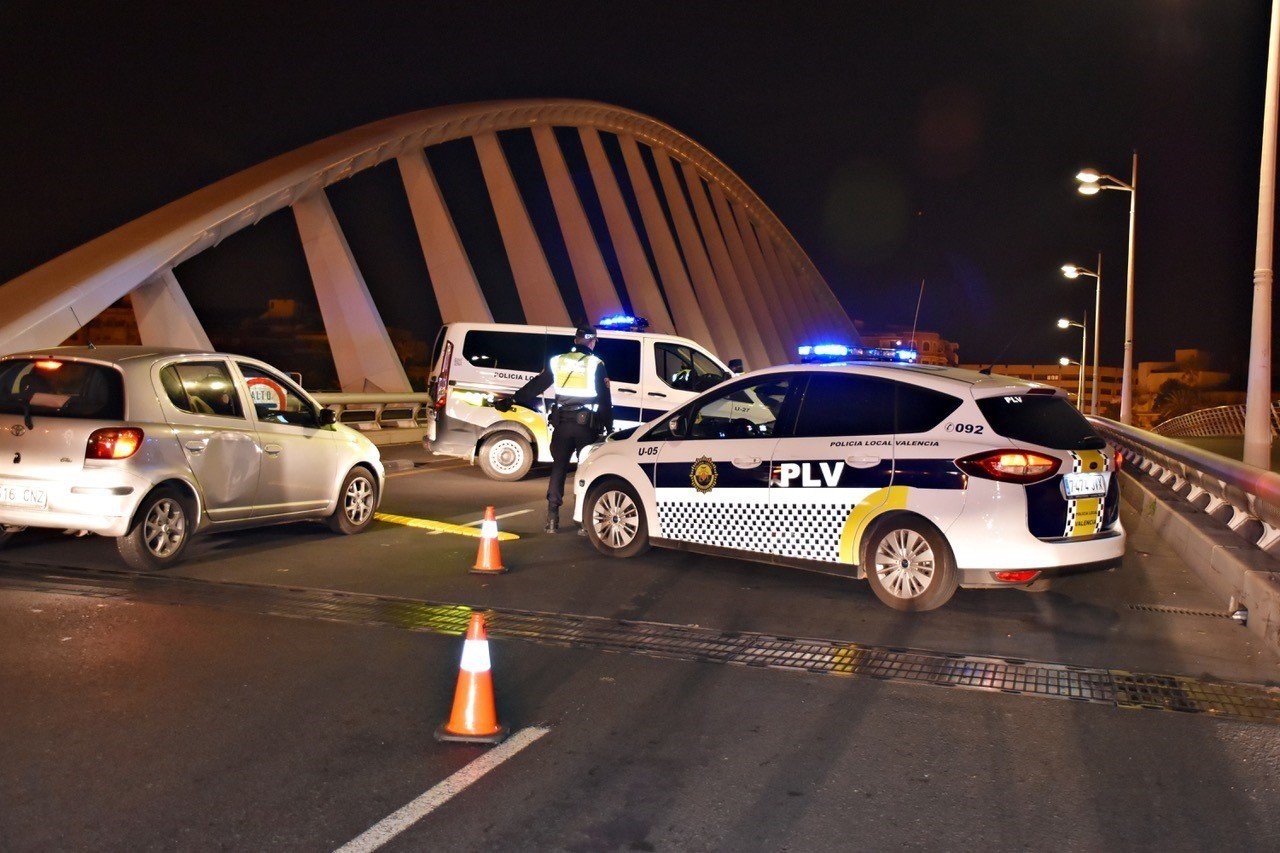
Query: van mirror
{"points": [[327, 417], [679, 426], [735, 365]]}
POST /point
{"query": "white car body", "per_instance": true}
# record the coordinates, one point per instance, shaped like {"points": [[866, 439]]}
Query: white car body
{"points": [[267, 453], [766, 494]]}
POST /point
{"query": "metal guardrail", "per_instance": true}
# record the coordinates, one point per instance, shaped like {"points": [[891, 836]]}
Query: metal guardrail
{"points": [[378, 411], [1244, 498], [1214, 422]]}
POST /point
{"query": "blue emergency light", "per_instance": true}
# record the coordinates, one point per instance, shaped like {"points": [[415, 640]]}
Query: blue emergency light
{"points": [[623, 322], [817, 353]]}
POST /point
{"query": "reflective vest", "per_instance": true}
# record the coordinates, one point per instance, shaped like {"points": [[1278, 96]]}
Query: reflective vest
{"points": [[573, 377]]}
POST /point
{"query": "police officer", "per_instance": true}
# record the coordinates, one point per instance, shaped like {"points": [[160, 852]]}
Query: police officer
{"points": [[582, 412]]}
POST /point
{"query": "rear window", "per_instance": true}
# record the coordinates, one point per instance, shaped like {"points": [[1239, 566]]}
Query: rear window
{"points": [[1046, 420], [62, 389]]}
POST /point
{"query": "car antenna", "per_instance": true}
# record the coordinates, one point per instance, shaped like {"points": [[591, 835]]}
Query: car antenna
{"points": [[986, 371], [916, 320]]}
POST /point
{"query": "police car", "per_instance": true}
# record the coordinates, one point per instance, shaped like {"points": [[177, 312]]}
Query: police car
{"points": [[919, 478]]}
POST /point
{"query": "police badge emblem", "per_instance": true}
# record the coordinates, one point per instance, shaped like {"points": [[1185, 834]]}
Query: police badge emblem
{"points": [[703, 474]]}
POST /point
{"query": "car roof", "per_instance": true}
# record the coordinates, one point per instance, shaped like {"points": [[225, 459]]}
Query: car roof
{"points": [[112, 353], [930, 375]]}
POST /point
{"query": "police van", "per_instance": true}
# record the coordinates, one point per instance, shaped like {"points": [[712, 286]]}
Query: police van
{"points": [[475, 363], [919, 478]]}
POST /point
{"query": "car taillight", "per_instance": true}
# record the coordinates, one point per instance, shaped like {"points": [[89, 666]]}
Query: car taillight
{"points": [[1119, 459], [1010, 466], [113, 443], [1017, 577], [442, 382]]}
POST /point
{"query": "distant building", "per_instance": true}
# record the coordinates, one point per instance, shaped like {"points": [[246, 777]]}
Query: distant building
{"points": [[930, 347], [115, 325]]}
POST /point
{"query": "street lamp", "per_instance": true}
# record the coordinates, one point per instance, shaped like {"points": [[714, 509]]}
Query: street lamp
{"points": [[1064, 361], [1091, 183], [1074, 271], [1064, 323]]}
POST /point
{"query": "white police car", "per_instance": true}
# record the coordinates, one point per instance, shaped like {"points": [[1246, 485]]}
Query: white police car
{"points": [[917, 477]]}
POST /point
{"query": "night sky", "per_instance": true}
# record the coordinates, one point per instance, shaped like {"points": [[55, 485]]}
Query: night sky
{"points": [[898, 141]]}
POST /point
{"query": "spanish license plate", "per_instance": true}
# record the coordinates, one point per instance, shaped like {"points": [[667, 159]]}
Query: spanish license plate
{"points": [[1084, 485], [26, 497]]}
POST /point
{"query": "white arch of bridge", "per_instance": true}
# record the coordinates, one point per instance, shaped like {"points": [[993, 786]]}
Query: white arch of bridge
{"points": [[733, 276]]}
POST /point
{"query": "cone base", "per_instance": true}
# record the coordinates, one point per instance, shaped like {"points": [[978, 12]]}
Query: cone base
{"points": [[445, 736], [477, 570]]}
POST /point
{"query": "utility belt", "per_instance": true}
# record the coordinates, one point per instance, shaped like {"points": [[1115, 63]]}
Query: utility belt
{"points": [[575, 412]]}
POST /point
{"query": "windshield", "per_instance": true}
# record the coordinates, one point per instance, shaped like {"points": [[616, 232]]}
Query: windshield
{"points": [[1049, 421], [65, 389]]}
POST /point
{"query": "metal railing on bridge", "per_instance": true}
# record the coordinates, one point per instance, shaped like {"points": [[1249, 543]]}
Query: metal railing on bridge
{"points": [[1246, 499], [388, 418], [1212, 423]]}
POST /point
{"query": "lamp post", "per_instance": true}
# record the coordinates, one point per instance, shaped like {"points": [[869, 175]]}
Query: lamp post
{"points": [[1091, 183], [1083, 326], [1074, 271], [1064, 361]]}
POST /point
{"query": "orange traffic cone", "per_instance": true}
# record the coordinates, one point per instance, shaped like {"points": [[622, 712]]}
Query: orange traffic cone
{"points": [[488, 560], [474, 718]]}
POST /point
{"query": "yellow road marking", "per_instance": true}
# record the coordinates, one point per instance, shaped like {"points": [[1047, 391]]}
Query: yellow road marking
{"points": [[438, 526]]}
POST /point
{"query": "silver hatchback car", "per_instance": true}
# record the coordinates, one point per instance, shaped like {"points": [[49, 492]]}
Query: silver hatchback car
{"points": [[153, 445]]}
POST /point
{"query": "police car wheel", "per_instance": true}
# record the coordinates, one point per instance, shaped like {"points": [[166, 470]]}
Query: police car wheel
{"points": [[909, 564], [506, 456], [8, 531], [614, 520]]}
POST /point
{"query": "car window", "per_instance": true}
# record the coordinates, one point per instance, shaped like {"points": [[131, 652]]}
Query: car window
{"points": [[748, 410], [64, 389], [846, 404], [201, 388], [685, 368], [922, 409], [1044, 419], [525, 351], [276, 399], [621, 358]]}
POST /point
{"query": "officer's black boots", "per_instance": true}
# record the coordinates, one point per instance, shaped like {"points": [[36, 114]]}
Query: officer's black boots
{"points": [[553, 521]]}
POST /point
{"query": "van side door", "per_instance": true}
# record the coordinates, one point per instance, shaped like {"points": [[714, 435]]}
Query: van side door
{"points": [[674, 373], [622, 360]]}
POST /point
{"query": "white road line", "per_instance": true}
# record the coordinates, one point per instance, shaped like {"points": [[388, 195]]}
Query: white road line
{"points": [[400, 820], [480, 521]]}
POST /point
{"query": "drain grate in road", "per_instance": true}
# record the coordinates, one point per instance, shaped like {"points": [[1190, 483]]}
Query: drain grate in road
{"points": [[1179, 611], [682, 642]]}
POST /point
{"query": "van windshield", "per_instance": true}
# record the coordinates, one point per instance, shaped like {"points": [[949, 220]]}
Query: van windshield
{"points": [[63, 389]]}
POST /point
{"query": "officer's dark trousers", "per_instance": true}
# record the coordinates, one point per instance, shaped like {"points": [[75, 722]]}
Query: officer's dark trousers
{"points": [[565, 441]]}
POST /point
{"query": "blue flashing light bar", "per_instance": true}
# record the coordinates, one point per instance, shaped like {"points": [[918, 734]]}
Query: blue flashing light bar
{"points": [[624, 322], [811, 353]]}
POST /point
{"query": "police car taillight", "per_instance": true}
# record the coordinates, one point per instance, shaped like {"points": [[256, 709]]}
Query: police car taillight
{"points": [[113, 443], [1010, 466]]}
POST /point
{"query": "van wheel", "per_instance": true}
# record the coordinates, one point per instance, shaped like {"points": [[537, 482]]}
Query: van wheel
{"points": [[614, 520], [506, 456], [357, 500], [160, 532], [909, 564]]}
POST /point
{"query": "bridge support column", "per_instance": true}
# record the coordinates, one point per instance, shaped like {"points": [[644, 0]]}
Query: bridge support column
{"points": [[685, 311], [599, 296], [458, 294], [164, 315], [642, 287], [744, 321], [724, 334], [539, 296], [760, 308], [772, 291], [802, 318], [362, 350]]}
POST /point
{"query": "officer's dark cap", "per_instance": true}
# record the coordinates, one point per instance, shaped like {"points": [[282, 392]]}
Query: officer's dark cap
{"points": [[584, 333]]}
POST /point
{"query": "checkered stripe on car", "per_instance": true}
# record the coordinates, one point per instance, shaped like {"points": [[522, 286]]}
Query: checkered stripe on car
{"points": [[804, 531]]}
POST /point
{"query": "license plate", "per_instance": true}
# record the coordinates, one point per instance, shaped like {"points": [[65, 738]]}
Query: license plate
{"points": [[23, 496], [1084, 485]]}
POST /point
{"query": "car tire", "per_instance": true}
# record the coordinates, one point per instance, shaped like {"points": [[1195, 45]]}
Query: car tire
{"points": [[909, 564], [614, 520], [506, 456], [162, 526], [8, 531], [357, 500]]}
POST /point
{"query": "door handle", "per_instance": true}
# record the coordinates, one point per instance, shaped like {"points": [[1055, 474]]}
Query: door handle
{"points": [[626, 390], [271, 449], [746, 462], [656, 394], [196, 445], [863, 461]]}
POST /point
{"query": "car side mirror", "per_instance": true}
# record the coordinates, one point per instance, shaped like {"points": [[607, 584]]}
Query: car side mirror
{"points": [[679, 426], [327, 417], [735, 365]]}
